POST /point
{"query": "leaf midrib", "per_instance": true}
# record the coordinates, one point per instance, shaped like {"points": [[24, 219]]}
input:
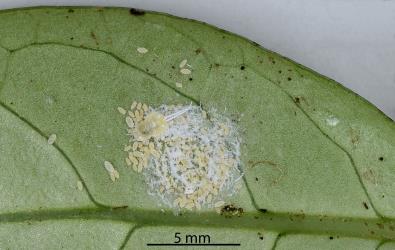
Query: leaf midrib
{"points": [[284, 223]]}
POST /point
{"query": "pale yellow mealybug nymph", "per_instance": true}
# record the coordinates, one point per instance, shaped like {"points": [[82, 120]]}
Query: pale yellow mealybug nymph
{"points": [[153, 125], [142, 50], [185, 71], [80, 186], [51, 139]]}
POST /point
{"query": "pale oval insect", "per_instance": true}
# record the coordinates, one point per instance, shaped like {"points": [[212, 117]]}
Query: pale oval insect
{"points": [[142, 50], [51, 139], [185, 71]]}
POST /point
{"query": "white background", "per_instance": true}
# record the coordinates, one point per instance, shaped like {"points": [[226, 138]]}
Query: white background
{"points": [[351, 41]]}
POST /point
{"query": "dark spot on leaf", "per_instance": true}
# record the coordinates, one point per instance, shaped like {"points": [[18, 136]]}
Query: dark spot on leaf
{"points": [[231, 210], [289, 78], [331, 237], [256, 217], [261, 237], [279, 71], [173, 67], [290, 70], [120, 207], [190, 79], [71, 38], [263, 210], [297, 100], [365, 205], [381, 158], [93, 35], [198, 51], [217, 65], [67, 16], [136, 12], [256, 178], [70, 11], [242, 67]]}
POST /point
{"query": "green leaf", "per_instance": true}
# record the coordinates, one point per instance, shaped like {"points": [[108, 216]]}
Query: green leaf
{"points": [[318, 159]]}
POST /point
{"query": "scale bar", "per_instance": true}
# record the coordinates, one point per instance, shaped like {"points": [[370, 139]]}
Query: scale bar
{"points": [[197, 244]]}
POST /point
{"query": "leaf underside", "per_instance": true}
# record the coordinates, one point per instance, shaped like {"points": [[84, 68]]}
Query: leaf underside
{"points": [[318, 159]]}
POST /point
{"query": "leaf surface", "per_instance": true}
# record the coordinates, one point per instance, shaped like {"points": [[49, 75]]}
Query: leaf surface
{"points": [[318, 159]]}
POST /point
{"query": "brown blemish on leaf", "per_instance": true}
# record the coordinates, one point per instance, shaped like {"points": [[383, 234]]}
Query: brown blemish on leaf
{"points": [[260, 235], [270, 163], [120, 207], [381, 226], [198, 51], [299, 99], [300, 216], [93, 35], [271, 59], [370, 176], [354, 136], [231, 210], [136, 12]]}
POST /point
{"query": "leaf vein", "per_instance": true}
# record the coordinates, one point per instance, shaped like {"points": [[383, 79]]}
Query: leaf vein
{"points": [[326, 136], [64, 155]]}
